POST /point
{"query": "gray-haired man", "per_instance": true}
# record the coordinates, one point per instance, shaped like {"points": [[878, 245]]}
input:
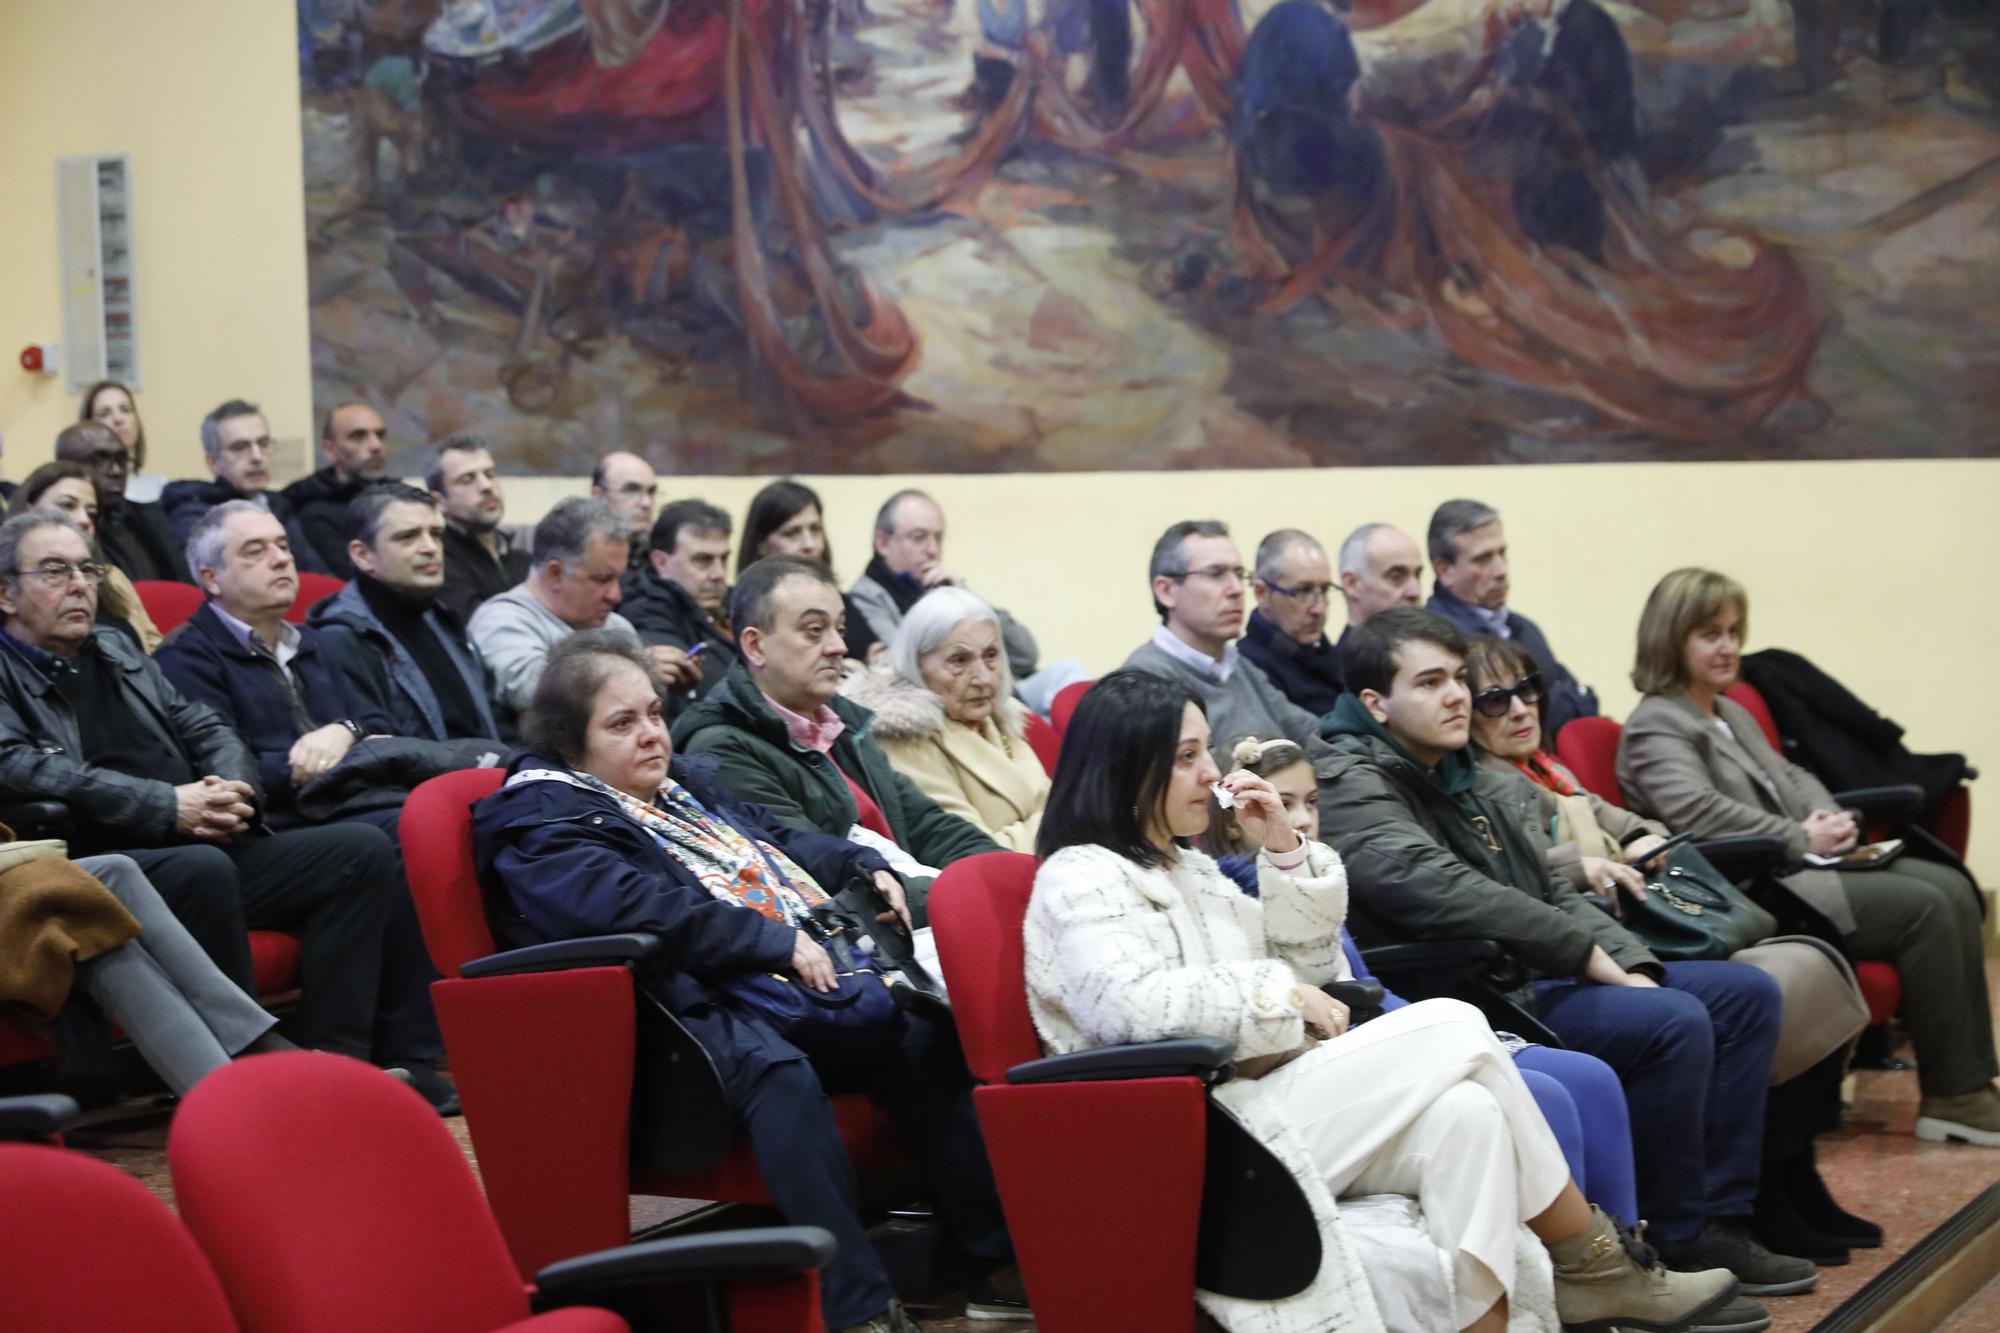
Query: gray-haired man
{"points": [[1286, 636], [577, 558], [1469, 552], [236, 443]]}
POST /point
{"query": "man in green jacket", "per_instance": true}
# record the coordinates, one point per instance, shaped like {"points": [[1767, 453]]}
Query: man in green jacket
{"points": [[1437, 848], [787, 741]]}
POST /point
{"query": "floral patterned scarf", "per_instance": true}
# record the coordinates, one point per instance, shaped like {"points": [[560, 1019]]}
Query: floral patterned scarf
{"points": [[1545, 770], [728, 864]]}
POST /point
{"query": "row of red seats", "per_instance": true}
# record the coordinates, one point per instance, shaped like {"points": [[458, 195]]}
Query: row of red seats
{"points": [[317, 1195]]}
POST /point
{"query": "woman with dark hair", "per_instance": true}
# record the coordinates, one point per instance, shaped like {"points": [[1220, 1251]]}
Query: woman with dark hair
{"points": [[1699, 761], [599, 829], [1600, 848], [66, 488], [1132, 935], [786, 518], [111, 404]]}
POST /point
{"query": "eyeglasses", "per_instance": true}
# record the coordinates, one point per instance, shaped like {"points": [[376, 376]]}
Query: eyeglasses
{"points": [[1497, 701], [1305, 592], [1214, 573], [58, 573], [111, 457]]}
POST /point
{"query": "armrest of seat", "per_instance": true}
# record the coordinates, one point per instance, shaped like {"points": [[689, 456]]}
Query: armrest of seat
{"points": [[1438, 956], [1356, 994], [561, 956], [759, 1253], [35, 819], [1207, 1058], [1881, 802], [1744, 854], [42, 1115]]}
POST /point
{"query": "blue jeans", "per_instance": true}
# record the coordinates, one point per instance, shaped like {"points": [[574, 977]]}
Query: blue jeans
{"points": [[1581, 1099], [1695, 1058]]}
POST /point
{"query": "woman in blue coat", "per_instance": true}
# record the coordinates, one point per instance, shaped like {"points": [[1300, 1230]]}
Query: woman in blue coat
{"points": [[600, 830]]}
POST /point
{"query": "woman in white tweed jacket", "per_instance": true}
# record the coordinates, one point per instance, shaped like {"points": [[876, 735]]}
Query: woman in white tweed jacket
{"points": [[1133, 936]]}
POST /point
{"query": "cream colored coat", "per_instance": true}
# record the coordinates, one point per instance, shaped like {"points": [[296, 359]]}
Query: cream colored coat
{"points": [[990, 777], [1118, 953]]}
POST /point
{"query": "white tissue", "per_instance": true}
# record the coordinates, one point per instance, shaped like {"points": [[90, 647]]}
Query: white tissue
{"points": [[1225, 799]]}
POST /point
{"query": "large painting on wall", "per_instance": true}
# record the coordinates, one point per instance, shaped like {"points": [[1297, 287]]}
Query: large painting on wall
{"points": [[839, 236]]}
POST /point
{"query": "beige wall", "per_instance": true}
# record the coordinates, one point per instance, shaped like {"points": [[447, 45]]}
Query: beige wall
{"points": [[1879, 571]]}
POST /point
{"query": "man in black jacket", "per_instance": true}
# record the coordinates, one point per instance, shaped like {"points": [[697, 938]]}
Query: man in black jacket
{"points": [[678, 594], [1469, 555], [134, 537], [1437, 848], [1286, 636], [88, 720], [354, 441], [236, 442], [480, 559]]}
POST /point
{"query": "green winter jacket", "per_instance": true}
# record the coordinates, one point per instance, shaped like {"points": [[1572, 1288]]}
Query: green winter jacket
{"points": [[761, 766], [1420, 869]]}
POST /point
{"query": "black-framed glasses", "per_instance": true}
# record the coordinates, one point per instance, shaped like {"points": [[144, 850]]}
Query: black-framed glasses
{"points": [[1308, 593], [1496, 701], [58, 573], [1217, 573]]}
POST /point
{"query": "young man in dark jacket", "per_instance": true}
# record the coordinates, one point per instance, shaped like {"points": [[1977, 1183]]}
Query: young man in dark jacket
{"points": [[88, 720], [1437, 848], [354, 441], [480, 559], [678, 594], [786, 740], [402, 654]]}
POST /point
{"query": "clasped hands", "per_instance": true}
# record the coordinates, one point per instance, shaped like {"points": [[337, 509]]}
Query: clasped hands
{"points": [[213, 809]]}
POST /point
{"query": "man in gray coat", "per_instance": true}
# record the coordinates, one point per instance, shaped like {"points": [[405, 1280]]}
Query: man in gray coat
{"points": [[1198, 589]]}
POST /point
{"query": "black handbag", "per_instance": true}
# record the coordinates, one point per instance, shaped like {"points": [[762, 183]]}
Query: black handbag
{"points": [[857, 1025], [1691, 912]]}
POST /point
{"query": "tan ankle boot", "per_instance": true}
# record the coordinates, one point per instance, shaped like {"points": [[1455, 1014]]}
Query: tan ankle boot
{"points": [[1605, 1280]]}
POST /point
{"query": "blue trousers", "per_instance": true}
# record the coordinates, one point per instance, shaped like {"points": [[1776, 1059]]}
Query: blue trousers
{"points": [[1694, 1057], [928, 1090], [1581, 1099]]}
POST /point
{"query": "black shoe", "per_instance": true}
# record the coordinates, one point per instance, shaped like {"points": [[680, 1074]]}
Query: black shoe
{"points": [[432, 1086], [999, 1295], [1741, 1315], [1807, 1190], [1727, 1243], [1778, 1225]]}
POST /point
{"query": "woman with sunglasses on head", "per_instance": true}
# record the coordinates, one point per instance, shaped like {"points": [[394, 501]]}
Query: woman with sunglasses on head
{"points": [[1133, 935], [1795, 1212]]}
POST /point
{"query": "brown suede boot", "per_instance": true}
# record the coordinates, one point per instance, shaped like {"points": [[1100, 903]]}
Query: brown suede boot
{"points": [[1606, 1279]]}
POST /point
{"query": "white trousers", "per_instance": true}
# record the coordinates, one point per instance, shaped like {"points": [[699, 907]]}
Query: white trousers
{"points": [[1423, 1102]]}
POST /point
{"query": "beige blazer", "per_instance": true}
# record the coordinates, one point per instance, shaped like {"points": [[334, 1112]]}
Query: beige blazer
{"points": [[990, 776], [1676, 765]]}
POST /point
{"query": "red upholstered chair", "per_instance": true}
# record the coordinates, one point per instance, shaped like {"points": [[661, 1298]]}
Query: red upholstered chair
{"points": [[1588, 746], [167, 602], [1044, 740], [313, 589], [579, 1090], [1063, 706], [1123, 1181], [329, 1199]]}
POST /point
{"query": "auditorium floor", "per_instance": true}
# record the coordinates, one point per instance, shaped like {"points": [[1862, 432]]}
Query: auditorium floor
{"points": [[1875, 1167]]}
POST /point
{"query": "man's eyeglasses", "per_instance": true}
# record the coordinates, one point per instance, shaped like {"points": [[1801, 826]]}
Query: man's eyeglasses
{"points": [[1496, 701], [111, 457], [58, 573], [1214, 573], [1307, 593]]}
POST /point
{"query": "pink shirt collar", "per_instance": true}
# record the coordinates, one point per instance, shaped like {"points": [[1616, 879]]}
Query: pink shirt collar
{"points": [[817, 732]]}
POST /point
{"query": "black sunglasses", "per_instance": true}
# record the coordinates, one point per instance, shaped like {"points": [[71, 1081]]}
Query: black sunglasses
{"points": [[1496, 701]]}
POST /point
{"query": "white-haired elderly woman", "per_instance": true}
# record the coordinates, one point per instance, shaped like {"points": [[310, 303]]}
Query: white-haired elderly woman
{"points": [[946, 715]]}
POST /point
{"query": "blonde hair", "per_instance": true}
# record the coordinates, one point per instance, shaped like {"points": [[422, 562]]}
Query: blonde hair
{"points": [[1262, 757], [1680, 604]]}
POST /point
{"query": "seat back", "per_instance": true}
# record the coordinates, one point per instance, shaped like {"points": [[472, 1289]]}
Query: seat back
{"points": [[167, 602], [1588, 747], [1063, 707], [1752, 700], [437, 858], [329, 1197], [1044, 740], [87, 1249], [313, 589], [976, 908]]}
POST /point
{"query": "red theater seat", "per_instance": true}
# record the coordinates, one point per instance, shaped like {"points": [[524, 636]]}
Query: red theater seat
{"points": [[1044, 740], [544, 1046], [1063, 707], [313, 589], [167, 602]]}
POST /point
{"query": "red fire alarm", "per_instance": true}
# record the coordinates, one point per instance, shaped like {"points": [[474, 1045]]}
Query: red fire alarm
{"points": [[39, 359]]}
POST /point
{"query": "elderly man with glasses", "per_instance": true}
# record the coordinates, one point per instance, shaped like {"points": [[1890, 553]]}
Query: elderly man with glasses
{"points": [[1286, 636], [1198, 590]]}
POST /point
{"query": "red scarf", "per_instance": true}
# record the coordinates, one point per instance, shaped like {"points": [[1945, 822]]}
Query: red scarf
{"points": [[1545, 770]]}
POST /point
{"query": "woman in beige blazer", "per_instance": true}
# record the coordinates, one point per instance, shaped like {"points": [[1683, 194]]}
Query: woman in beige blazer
{"points": [[1699, 762], [946, 716]]}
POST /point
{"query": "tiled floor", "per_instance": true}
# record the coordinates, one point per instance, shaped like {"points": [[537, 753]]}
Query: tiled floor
{"points": [[1875, 1167]]}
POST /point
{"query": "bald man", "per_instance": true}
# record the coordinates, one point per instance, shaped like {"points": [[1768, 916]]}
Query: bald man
{"points": [[354, 444], [628, 484], [133, 536]]}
